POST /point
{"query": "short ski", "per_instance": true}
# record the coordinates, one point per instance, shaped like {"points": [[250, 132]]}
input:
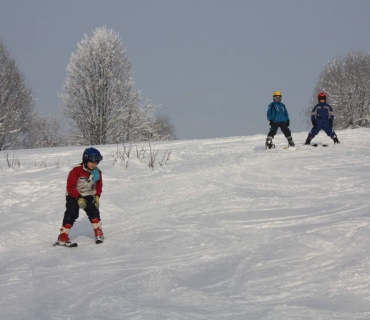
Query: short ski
{"points": [[290, 148], [66, 244], [316, 145]]}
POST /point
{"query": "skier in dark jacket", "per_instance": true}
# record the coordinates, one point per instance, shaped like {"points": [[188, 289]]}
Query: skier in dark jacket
{"points": [[278, 116], [84, 188], [322, 117]]}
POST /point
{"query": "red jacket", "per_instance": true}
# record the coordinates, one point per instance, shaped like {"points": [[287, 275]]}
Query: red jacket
{"points": [[80, 182]]}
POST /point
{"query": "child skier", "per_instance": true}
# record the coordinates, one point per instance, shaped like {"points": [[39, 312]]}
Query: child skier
{"points": [[278, 116], [322, 117], [84, 187]]}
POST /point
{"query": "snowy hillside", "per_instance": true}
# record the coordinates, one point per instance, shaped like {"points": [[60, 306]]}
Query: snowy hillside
{"points": [[226, 230]]}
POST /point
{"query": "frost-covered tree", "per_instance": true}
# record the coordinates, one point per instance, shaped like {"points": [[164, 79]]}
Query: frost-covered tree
{"points": [[16, 100], [163, 128], [98, 91], [347, 84], [134, 122], [44, 131]]}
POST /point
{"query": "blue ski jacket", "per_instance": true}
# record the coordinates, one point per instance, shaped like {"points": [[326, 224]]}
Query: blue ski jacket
{"points": [[322, 113], [277, 112]]}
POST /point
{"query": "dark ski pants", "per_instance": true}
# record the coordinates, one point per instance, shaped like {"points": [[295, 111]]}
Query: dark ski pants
{"points": [[284, 128], [72, 212], [324, 126]]}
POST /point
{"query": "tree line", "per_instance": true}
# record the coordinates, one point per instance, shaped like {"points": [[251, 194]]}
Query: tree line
{"points": [[101, 105]]}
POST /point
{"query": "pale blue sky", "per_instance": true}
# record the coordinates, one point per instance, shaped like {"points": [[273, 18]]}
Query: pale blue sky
{"points": [[212, 65]]}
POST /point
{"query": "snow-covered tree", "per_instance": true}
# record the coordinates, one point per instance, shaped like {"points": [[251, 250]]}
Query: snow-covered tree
{"points": [[163, 128], [347, 85], [98, 91], [16, 100], [44, 131], [134, 122]]}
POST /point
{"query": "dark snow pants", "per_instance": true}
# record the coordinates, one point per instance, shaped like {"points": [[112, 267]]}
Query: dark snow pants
{"points": [[72, 212], [324, 126], [284, 128]]}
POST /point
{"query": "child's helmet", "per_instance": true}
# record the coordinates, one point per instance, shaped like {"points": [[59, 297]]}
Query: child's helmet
{"points": [[321, 95], [277, 94], [91, 154]]}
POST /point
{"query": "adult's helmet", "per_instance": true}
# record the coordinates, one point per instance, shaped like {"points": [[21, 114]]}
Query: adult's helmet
{"points": [[321, 95], [91, 154]]}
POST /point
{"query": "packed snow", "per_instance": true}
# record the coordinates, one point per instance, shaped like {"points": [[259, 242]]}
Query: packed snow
{"points": [[224, 230]]}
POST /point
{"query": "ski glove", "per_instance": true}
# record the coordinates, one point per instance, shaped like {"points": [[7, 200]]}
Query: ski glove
{"points": [[313, 122], [288, 123], [271, 123], [96, 201], [331, 123], [81, 202]]}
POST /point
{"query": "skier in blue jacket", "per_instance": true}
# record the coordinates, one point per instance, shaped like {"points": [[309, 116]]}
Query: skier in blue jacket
{"points": [[278, 116], [322, 117]]}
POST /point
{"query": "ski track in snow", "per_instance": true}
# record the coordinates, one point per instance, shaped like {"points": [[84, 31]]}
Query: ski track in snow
{"points": [[226, 230]]}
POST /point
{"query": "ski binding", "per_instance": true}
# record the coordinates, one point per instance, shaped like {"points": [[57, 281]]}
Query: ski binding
{"points": [[99, 239], [270, 147]]}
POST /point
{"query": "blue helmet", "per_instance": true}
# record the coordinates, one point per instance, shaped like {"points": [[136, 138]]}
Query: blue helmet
{"points": [[91, 154]]}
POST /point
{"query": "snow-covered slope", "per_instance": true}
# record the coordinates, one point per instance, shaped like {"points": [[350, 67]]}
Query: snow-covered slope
{"points": [[226, 230]]}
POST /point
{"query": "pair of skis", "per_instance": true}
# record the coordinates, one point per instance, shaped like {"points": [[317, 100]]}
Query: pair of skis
{"points": [[317, 145], [74, 244], [295, 148]]}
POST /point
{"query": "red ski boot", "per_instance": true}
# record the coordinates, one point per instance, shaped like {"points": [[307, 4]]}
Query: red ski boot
{"points": [[99, 236], [63, 238]]}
